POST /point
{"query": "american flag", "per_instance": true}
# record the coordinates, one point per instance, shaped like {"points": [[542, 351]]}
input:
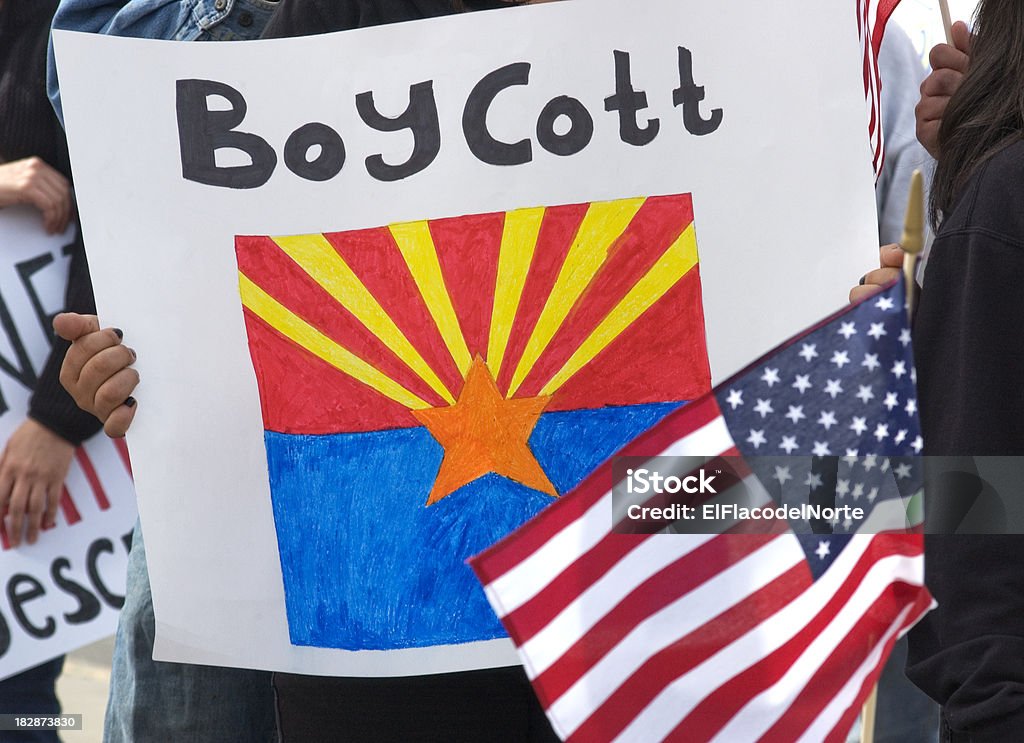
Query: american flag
{"points": [[734, 637], [872, 15]]}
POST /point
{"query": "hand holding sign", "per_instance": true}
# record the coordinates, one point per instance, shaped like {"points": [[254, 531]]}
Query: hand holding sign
{"points": [[32, 181], [96, 371], [32, 471]]}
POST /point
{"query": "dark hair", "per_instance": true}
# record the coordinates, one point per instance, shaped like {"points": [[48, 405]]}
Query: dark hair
{"points": [[987, 112]]}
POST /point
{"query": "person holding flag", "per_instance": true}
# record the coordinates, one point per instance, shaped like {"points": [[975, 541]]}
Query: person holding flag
{"points": [[966, 654]]}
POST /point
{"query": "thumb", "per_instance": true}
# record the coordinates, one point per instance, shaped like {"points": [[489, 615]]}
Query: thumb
{"points": [[71, 326]]}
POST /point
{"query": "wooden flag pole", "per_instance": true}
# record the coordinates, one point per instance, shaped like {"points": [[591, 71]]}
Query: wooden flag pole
{"points": [[912, 240], [912, 243], [867, 718], [947, 21]]}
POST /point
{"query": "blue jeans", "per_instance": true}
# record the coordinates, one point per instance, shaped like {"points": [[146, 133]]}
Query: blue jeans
{"points": [[176, 702], [31, 692]]}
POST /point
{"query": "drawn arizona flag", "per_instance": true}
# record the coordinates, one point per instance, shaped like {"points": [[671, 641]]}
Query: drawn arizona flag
{"points": [[427, 387]]}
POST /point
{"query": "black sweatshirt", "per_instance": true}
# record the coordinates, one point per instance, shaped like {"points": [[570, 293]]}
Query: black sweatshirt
{"points": [[28, 127], [969, 344]]}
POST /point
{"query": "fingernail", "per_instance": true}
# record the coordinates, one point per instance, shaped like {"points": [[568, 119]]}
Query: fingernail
{"points": [[132, 352], [130, 402], [863, 279], [118, 332]]}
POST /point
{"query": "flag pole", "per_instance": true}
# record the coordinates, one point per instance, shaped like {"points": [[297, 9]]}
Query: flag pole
{"points": [[867, 718], [912, 240], [947, 21]]}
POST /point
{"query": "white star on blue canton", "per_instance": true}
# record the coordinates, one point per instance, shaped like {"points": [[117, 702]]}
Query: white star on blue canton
{"points": [[827, 419], [821, 449], [858, 491], [735, 398], [796, 413], [885, 303], [902, 471], [870, 361], [802, 382], [770, 377], [872, 494], [905, 337], [870, 461], [789, 444], [882, 432], [813, 480], [782, 475], [865, 394], [809, 351], [756, 438], [764, 407], [840, 358], [852, 454], [859, 425], [877, 330], [911, 406], [892, 400], [823, 550], [847, 329], [842, 487], [918, 445], [833, 388], [901, 436], [899, 368]]}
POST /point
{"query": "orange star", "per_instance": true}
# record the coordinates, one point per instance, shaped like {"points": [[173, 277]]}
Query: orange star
{"points": [[483, 433]]}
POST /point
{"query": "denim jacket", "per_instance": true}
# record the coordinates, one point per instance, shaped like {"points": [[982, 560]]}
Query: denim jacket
{"points": [[176, 20]]}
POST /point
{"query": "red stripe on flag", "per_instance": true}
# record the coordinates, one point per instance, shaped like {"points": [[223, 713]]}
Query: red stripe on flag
{"points": [[557, 231], [716, 709], [94, 481], [851, 652], [839, 732], [671, 583], [518, 546], [688, 652], [528, 619]]}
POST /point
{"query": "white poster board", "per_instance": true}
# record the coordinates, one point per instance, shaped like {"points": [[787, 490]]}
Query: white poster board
{"points": [[65, 590], [781, 187]]}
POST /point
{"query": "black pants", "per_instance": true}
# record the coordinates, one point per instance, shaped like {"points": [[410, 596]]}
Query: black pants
{"points": [[491, 706]]}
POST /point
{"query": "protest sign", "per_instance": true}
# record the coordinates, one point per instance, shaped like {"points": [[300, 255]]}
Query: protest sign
{"points": [[355, 243], [65, 590]]}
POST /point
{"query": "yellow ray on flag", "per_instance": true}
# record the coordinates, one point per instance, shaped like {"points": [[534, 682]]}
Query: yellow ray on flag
{"points": [[603, 224], [417, 247], [318, 258], [518, 241], [293, 327], [674, 263]]}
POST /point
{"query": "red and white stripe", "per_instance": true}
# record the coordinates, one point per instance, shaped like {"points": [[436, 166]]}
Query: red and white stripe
{"points": [[696, 637], [872, 16]]}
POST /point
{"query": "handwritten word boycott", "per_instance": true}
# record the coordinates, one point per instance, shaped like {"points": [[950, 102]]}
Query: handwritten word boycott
{"points": [[316, 152]]}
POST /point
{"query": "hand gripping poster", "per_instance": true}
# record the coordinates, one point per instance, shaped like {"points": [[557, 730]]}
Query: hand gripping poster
{"points": [[396, 290]]}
